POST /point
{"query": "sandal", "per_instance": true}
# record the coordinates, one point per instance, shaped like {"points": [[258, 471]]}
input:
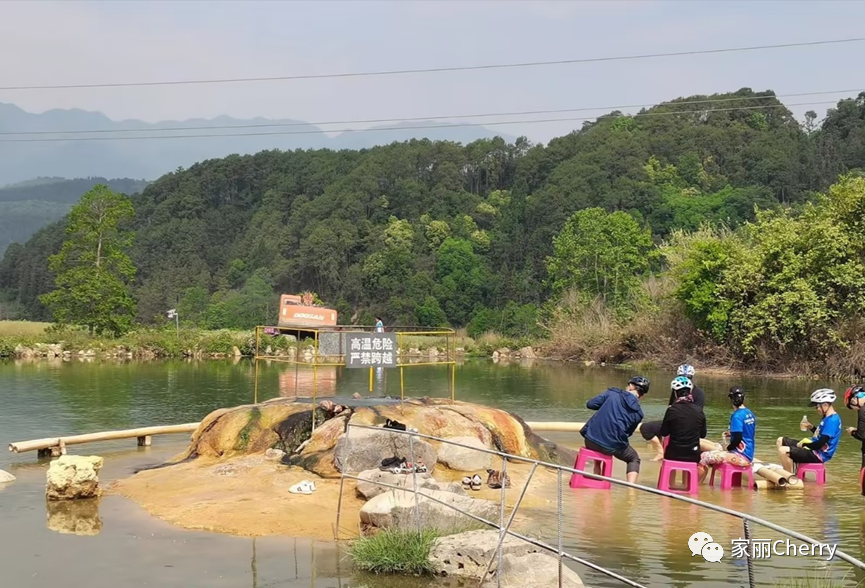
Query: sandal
{"points": [[467, 482], [476, 482]]}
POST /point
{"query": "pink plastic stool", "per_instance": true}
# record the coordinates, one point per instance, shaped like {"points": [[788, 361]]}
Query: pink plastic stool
{"points": [[818, 469], [732, 475], [669, 469], [588, 457]]}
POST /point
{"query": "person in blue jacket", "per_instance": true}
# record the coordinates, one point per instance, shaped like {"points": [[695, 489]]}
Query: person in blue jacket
{"points": [[618, 414]]}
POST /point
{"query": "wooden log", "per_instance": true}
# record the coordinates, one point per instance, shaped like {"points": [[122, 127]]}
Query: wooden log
{"points": [[47, 444], [795, 484], [562, 427]]}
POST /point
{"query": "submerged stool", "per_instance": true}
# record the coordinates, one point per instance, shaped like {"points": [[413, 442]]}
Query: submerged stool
{"points": [[818, 469], [732, 475], [688, 469], [587, 457]]}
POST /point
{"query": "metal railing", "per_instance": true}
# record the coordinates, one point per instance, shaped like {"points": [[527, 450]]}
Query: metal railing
{"points": [[504, 527]]}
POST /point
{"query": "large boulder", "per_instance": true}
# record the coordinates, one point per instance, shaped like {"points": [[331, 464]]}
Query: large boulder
{"points": [[370, 484], [72, 477], [74, 517], [287, 425], [466, 555], [462, 459], [364, 449], [6, 477], [397, 509], [534, 570]]}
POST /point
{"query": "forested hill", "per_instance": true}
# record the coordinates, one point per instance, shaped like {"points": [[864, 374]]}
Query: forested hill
{"points": [[27, 207], [434, 232]]}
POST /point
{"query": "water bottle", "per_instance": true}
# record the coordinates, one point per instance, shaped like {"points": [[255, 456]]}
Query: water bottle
{"points": [[804, 424]]}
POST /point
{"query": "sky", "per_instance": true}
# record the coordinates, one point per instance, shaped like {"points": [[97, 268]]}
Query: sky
{"points": [[101, 42]]}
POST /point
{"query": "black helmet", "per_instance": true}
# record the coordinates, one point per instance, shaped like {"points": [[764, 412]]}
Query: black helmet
{"points": [[641, 383], [737, 395]]}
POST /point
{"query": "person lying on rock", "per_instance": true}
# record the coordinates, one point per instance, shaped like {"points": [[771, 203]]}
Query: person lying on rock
{"points": [[618, 414]]}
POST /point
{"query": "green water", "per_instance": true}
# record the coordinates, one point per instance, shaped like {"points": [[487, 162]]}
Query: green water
{"points": [[638, 535]]}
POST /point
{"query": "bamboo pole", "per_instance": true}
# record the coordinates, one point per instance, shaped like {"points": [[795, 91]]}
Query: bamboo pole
{"points": [[764, 485], [37, 444], [775, 476]]}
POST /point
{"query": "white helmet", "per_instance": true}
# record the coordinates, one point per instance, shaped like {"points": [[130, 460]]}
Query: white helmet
{"points": [[823, 395], [686, 370]]}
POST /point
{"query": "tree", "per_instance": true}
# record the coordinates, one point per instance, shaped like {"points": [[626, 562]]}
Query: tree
{"points": [[600, 253], [93, 270]]}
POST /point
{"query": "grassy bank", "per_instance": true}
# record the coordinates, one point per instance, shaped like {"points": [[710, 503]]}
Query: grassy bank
{"points": [[32, 339], [395, 551]]}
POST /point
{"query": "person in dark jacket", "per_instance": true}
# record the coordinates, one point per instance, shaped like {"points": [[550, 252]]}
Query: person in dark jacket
{"points": [[618, 414], [684, 422], [854, 398], [651, 430]]}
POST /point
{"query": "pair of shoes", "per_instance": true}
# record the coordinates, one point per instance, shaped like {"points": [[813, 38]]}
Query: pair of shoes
{"points": [[396, 425], [497, 478], [476, 482], [302, 487], [389, 463], [408, 468]]}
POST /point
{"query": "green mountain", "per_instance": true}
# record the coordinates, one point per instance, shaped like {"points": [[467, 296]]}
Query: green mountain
{"points": [[28, 206], [436, 232]]}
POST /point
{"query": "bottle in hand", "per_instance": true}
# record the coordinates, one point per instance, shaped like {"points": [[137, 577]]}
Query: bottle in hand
{"points": [[804, 424]]}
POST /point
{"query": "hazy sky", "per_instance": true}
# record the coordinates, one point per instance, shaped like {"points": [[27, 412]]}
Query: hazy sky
{"points": [[82, 42]]}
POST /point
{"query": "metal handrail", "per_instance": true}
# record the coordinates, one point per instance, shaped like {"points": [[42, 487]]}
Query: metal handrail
{"points": [[506, 456]]}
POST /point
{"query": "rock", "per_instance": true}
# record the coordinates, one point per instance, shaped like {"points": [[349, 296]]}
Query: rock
{"points": [[274, 454], [467, 554], [368, 488], [504, 352], [23, 352], [365, 449], [6, 477], [74, 517], [534, 570], [495, 355], [55, 350], [397, 509], [462, 459], [235, 351], [72, 477], [527, 353]]}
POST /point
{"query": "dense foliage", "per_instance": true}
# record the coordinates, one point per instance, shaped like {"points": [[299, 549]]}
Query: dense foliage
{"points": [[93, 270], [485, 235]]}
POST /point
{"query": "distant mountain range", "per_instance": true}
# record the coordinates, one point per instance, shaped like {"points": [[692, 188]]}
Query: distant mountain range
{"points": [[28, 206], [149, 159]]}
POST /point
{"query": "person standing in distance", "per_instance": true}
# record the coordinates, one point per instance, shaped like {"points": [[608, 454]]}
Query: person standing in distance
{"points": [[379, 325], [618, 414], [854, 399], [651, 431], [821, 447]]}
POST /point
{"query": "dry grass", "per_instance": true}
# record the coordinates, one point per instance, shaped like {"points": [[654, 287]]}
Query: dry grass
{"points": [[22, 328]]}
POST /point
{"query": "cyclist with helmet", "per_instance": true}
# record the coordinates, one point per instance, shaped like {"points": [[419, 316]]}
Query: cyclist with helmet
{"points": [[743, 424], [684, 422], [822, 445], [854, 399], [618, 414], [651, 430]]}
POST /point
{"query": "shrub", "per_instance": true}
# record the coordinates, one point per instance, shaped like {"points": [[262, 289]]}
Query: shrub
{"points": [[395, 551]]}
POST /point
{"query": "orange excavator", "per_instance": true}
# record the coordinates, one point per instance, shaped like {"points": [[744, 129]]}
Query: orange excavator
{"points": [[301, 311]]}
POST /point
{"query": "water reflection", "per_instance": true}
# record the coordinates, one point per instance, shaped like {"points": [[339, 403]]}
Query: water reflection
{"points": [[74, 517]]}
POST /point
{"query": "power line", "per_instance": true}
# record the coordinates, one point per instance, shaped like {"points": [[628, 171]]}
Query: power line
{"points": [[427, 127], [397, 72], [427, 118]]}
